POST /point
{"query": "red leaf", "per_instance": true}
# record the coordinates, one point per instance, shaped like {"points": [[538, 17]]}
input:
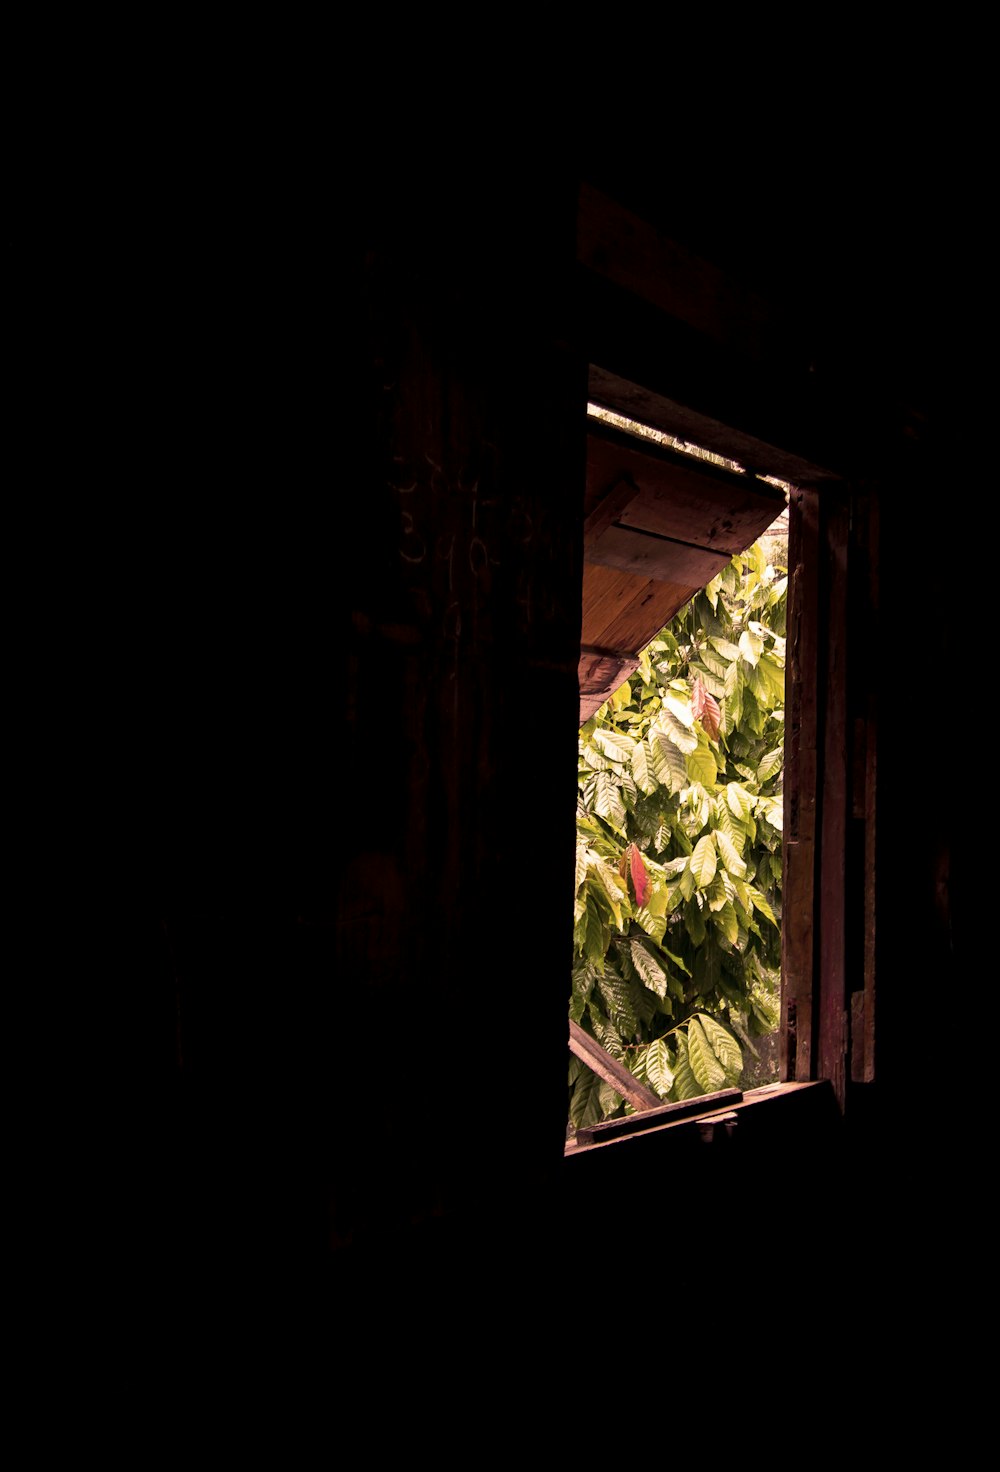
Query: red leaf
{"points": [[711, 717], [640, 879], [698, 697]]}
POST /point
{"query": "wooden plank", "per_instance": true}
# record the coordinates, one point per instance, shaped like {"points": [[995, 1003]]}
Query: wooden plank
{"points": [[608, 506], [652, 556], [622, 610], [640, 402], [871, 784], [832, 978], [589, 1051], [613, 1129], [633, 253], [680, 496], [798, 938], [598, 676]]}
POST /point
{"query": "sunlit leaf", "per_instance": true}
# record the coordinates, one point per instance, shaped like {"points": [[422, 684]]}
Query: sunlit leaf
{"points": [[728, 650], [770, 764], [729, 854], [705, 1066], [703, 861], [685, 1085], [701, 764], [679, 709], [652, 973], [723, 1045], [644, 778], [751, 646], [726, 921], [739, 800], [614, 744], [656, 1064]]}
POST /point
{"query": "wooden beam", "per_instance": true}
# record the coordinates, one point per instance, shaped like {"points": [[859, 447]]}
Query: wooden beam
{"points": [[653, 556], [589, 1051], [706, 1104]]}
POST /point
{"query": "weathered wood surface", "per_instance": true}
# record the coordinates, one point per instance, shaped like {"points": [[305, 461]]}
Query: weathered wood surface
{"points": [[613, 1129], [871, 782], [653, 556], [831, 1059], [589, 1051], [798, 937], [630, 251], [679, 495], [644, 404]]}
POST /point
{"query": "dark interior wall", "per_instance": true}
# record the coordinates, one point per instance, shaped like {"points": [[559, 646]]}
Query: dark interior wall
{"points": [[357, 605], [355, 643]]}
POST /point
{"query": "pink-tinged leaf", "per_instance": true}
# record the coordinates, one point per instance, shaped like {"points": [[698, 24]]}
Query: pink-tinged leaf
{"points": [[698, 697], [711, 717], [640, 878]]}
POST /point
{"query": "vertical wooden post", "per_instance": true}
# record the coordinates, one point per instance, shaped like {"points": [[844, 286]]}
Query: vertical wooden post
{"points": [[835, 764], [801, 738]]}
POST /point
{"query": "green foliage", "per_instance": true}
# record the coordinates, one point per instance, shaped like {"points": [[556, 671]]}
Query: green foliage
{"points": [[678, 876]]}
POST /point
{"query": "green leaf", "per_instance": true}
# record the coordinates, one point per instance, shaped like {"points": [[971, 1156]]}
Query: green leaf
{"points": [[652, 973], [726, 921], [685, 1086], [761, 904], [614, 744], [585, 1102], [608, 885], [606, 798], [739, 800], [705, 1066], [680, 709], [728, 650], [617, 998], [667, 762], [729, 854], [644, 778], [682, 736], [701, 764], [657, 1068], [770, 764], [751, 646], [724, 1046], [694, 923], [716, 666], [703, 862]]}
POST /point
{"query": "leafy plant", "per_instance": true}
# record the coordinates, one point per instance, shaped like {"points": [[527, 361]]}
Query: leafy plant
{"points": [[678, 865]]}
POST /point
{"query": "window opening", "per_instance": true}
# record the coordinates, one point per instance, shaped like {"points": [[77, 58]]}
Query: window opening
{"points": [[675, 990]]}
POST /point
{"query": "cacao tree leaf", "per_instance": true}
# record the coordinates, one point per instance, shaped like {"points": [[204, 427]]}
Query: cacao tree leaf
{"points": [[739, 800], [650, 970], [769, 765], [729, 854], [724, 1046], [726, 921], [711, 717], [685, 1085], [679, 709], [656, 1065], [640, 878], [644, 778], [701, 764], [726, 648], [614, 744], [703, 861], [704, 1064], [751, 647]]}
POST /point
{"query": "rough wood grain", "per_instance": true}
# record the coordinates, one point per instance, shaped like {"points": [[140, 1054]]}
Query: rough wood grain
{"points": [[589, 1051]]}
